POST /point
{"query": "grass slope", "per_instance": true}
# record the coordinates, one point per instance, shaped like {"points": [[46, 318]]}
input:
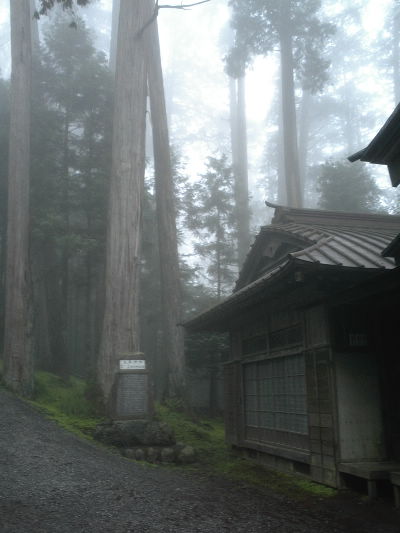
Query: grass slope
{"points": [[68, 403]]}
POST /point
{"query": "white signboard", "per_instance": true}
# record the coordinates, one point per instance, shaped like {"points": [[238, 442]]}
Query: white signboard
{"points": [[132, 364]]}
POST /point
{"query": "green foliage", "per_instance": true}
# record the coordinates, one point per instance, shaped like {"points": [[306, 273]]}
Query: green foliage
{"points": [[348, 187], [211, 218], [206, 350], [66, 402], [47, 5], [71, 153], [258, 25], [205, 435]]}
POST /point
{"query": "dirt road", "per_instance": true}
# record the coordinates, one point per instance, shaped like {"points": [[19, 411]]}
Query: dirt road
{"points": [[51, 481]]}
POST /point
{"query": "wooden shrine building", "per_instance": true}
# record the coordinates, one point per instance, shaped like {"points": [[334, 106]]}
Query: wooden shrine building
{"points": [[312, 382]]}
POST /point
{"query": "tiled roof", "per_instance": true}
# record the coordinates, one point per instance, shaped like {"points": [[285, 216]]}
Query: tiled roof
{"points": [[329, 238], [341, 246], [347, 242]]}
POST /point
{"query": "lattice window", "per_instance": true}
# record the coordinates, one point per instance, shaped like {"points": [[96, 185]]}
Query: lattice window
{"points": [[255, 344], [286, 337], [275, 394]]}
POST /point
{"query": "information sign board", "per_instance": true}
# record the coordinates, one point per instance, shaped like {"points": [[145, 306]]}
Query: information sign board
{"points": [[132, 364]]}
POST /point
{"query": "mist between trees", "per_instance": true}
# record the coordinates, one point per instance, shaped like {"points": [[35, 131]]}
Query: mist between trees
{"points": [[126, 241]]}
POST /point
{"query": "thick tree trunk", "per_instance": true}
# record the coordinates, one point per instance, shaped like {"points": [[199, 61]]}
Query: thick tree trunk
{"points": [[18, 365], [218, 238], [63, 357], [166, 219], [304, 128], [241, 175], [34, 28], [396, 54], [233, 119], [282, 196], [120, 323], [291, 158], [41, 335], [114, 35]]}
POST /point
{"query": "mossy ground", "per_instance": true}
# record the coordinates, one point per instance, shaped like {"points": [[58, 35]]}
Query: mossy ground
{"points": [[68, 402], [216, 458]]}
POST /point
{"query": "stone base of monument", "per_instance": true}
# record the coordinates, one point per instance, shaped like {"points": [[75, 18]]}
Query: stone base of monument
{"points": [[145, 440], [179, 453]]}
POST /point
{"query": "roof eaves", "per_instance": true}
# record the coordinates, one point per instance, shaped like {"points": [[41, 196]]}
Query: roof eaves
{"points": [[392, 247], [357, 156], [238, 297], [278, 230]]}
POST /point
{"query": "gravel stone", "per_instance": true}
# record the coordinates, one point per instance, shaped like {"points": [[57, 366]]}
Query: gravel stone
{"points": [[52, 481], [167, 455], [186, 455]]}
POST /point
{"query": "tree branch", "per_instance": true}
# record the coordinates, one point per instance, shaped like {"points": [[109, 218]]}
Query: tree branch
{"points": [[157, 8], [182, 5]]}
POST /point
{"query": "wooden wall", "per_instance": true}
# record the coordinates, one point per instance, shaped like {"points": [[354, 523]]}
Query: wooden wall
{"points": [[318, 448]]}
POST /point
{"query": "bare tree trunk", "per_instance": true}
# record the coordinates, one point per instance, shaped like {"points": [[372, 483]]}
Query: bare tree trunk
{"points": [[114, 35], [241, 175], [34, 28], [120, 332], [63, 357], [18, 364], [396, 53], [218, 238], [291, 158], [233, 118], [166, 219], [304, 127], [42, 350], [282, 194]]}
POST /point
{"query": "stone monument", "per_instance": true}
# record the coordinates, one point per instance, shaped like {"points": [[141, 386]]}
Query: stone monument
{"points": [[132, 396]]}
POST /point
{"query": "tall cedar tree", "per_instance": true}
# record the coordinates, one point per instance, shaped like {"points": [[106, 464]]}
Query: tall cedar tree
{"points": [[238, 131], [293, 25], [4, 146], [212, 218], [120, 332], [173, 345], [114, 34], [18, 363]]}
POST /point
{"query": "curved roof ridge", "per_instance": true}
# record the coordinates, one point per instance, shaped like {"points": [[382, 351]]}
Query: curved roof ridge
{"points": [[329, 217]]}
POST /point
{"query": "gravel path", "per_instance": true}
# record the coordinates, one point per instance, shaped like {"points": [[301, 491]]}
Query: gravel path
{"points": [[51, 481]]}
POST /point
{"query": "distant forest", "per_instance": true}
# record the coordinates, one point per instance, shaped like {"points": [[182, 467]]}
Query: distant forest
{"points": [[328, 78]]}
